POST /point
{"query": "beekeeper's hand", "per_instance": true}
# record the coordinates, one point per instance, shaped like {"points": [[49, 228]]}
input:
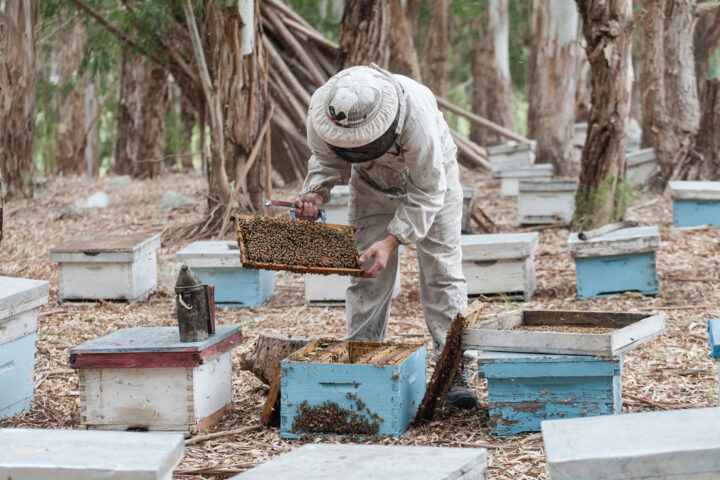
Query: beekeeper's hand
{"points": [[307, 206], [380, 253]]}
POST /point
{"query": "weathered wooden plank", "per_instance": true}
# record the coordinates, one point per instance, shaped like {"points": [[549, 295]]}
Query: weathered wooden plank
{"points": [[680, 190], [619, 242], [677, 444], [641, 166], [18, 295], [17, 382], [496, 246], [546, 201], [210, 254], [613, 274], [105, 248]]}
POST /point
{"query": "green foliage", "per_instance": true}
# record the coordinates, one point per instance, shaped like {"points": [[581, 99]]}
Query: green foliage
{"points": [[325, 15], [591, 209]]}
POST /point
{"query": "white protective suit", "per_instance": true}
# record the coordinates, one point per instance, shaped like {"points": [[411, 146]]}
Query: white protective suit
{"points": [[412, 192]]}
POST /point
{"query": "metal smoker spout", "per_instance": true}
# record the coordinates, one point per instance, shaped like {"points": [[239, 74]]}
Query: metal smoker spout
{"points": [[194, 307]]}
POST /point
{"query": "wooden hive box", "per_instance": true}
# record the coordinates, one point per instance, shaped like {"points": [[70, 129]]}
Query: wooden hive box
{"points": [[526, 388], [511, 155], [500, 263], [373, 462], [82, 455], [336, 388], [620, 261], [606, 334], [580, 133], [20, 302], [695, 203], [546, 201], [641, 166], [714, 337], [469, 194], [510, 178], [218, 263], [107, 267], [146, 378], [674, 444]]}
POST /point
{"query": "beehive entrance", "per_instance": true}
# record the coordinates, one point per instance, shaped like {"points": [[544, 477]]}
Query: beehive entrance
{"points": [[350, 352]]}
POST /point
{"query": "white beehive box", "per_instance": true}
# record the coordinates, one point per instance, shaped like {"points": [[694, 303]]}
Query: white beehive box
{"points": [[580, 133], [674, 444], [511, 155], [501, 263], [146, 378], [81, 455], [20, 302], [373, 462], [510, 178], [546, 201], [641, 166], [107, 267], [468, 201]]}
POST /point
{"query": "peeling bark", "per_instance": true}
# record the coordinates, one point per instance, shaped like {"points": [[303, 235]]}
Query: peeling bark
{"points": [[129, 113], [403, 56], [706, 39], [704, 161], [154, 108], [436, 47], [365, 34]]}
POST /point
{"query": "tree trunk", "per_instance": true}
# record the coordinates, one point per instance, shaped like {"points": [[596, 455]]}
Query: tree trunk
{"points": [[92, 129], [2, 204], [582, 88], [607, 27], [154, 108], [18, 79], [681, 98], [705, 157], [270, 349], [707, 37], [365, 34], [129, 117], [490, 63], [403, 56], [552, 81], [436, 47], [187, 120], [70, 135]]}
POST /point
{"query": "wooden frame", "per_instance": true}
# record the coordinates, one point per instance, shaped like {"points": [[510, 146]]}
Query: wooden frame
{"points": [[295, 268], [497, 334]]}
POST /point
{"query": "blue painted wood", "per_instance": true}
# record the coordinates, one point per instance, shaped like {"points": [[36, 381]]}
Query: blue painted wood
{"points": [[393, 392], [525, 389], [688, 213], [17, 383], [237, 286], [714, 334], [613, 274]]}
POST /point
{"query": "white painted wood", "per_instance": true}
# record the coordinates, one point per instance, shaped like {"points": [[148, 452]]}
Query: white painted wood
{"points": [[695, 190], [468, 201], [629, 337], [619, 242], [19, 325], [170, 398], [70, 253], [673, 444], [497, 246], [511, 155], [210, 254], [329, 290], [336, 210], [18, 295], [373, 462], [35, 454], [546, 201], [641, 166], [510, 178], [487, 277], [580, 133]]}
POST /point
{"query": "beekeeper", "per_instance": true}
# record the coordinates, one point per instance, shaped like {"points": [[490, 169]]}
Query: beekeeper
{"points": [[386, 133]]}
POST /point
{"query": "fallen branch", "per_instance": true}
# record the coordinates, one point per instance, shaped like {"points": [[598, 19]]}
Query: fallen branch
{"points": [[645, 400], [229, 433]]}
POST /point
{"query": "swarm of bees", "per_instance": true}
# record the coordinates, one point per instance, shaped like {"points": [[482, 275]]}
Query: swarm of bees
{"points": [[331, 419], [291, 242]]}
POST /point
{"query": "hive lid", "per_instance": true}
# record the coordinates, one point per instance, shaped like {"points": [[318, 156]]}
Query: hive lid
{"points": [[496, 246], [670, 444], [372, 462], [638, 157], [512, 147], [537, 170], [104, 247], [18, 295], [533, 365], [548, 186], [208, 254], [580, 127], [153, 347], [339, 195], [469, 192], [714, 337], [619, 242], [88, 454], [695, 190]]}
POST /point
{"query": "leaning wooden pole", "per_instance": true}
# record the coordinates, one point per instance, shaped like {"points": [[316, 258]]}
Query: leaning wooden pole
{"points": [[483, 122]]}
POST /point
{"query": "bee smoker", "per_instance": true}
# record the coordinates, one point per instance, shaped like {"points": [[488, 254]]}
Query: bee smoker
{"points": [[195, 303]]}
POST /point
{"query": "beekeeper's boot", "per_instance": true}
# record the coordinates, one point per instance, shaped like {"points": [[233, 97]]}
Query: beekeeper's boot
{"points": [[460, 394]]}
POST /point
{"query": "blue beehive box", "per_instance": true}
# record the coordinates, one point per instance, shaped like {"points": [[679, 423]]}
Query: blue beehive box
{"points": [[20, 301], [218, 263], [526, 388], [714, 334], [695, 203], [341, 388], [620, 261]]}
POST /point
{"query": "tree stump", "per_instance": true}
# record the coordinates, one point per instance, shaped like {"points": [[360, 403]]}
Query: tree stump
{"points": [[270, 349]]}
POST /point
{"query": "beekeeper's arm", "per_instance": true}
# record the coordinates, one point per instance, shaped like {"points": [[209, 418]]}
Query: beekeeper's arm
{"points": [[325, 170]]}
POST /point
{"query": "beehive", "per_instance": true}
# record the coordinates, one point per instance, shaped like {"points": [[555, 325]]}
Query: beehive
{"points": [[695, 203], [468, 201], [20, 302], [351, 388], [146, 378], [218, 263], [546, 201], [373, 462], [620, 261], [510, 178], [641, 166], [82, 455], [580, 133], [501, 263], [714, 337], [511, 155], [107, 267], [525, 388], [674, 444]]}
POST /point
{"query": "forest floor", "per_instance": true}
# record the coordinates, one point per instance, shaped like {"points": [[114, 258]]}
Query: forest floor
{"points": [[672, 371]]}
